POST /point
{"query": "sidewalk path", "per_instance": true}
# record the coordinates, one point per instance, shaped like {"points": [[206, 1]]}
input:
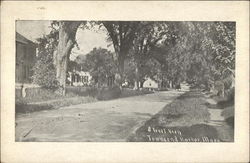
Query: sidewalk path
{"points": [[103, 121], [226, 133]]}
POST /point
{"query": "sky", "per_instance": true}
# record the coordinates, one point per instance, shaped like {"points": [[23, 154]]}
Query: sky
{"points": [[32, 29], [87, 39]]}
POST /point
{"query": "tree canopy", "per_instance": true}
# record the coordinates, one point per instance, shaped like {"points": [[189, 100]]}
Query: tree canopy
{"points": [[99, 63], [170, 52]]}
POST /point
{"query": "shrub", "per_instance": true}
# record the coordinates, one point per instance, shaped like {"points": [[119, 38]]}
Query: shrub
{"points": [[228, 100], [230, 94], [108, 93], [45, 73], [130, 92], [82, 91]]}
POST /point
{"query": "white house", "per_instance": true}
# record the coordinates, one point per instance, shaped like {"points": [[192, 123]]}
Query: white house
{"points": [[149, 83], [79, 78]]}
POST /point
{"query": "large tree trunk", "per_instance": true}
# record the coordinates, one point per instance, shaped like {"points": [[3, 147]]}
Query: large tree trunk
{"points": [[122, 35], [119, 77], [64, 47], [67, 31], [137, 86]]}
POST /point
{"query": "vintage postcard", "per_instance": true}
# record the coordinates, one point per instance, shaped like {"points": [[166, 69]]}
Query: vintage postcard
{"points": [[106, 81]]}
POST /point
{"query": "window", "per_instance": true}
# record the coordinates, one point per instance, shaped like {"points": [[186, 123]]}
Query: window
{"points": [[85, 79]]}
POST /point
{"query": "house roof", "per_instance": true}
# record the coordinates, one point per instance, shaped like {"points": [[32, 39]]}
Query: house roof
{"points": [[20, 38]]}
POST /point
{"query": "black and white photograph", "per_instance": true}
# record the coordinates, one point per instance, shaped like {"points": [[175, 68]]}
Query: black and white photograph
{"points": [[124, 81]]}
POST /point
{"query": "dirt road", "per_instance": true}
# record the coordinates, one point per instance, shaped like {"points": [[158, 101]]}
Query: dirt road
{"points": [[103, 121]]}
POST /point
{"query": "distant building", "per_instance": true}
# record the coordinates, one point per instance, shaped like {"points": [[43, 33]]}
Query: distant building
{"points": [[151, 84], [25, 58], [79, 78], [82, 78]]}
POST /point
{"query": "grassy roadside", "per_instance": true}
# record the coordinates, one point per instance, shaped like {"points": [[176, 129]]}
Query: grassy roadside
{"points": [[24, 107], [183, 120], [47, 100], [187, 109]]}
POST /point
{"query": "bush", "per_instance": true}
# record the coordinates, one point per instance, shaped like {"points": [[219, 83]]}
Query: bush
{"points": [[82, 91], [228, 100], [45, 73], [230, 94], [108, 93], [130, 92]]}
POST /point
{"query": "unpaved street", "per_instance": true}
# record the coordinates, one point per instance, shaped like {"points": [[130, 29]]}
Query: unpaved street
{"points": [[103, 121]]}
